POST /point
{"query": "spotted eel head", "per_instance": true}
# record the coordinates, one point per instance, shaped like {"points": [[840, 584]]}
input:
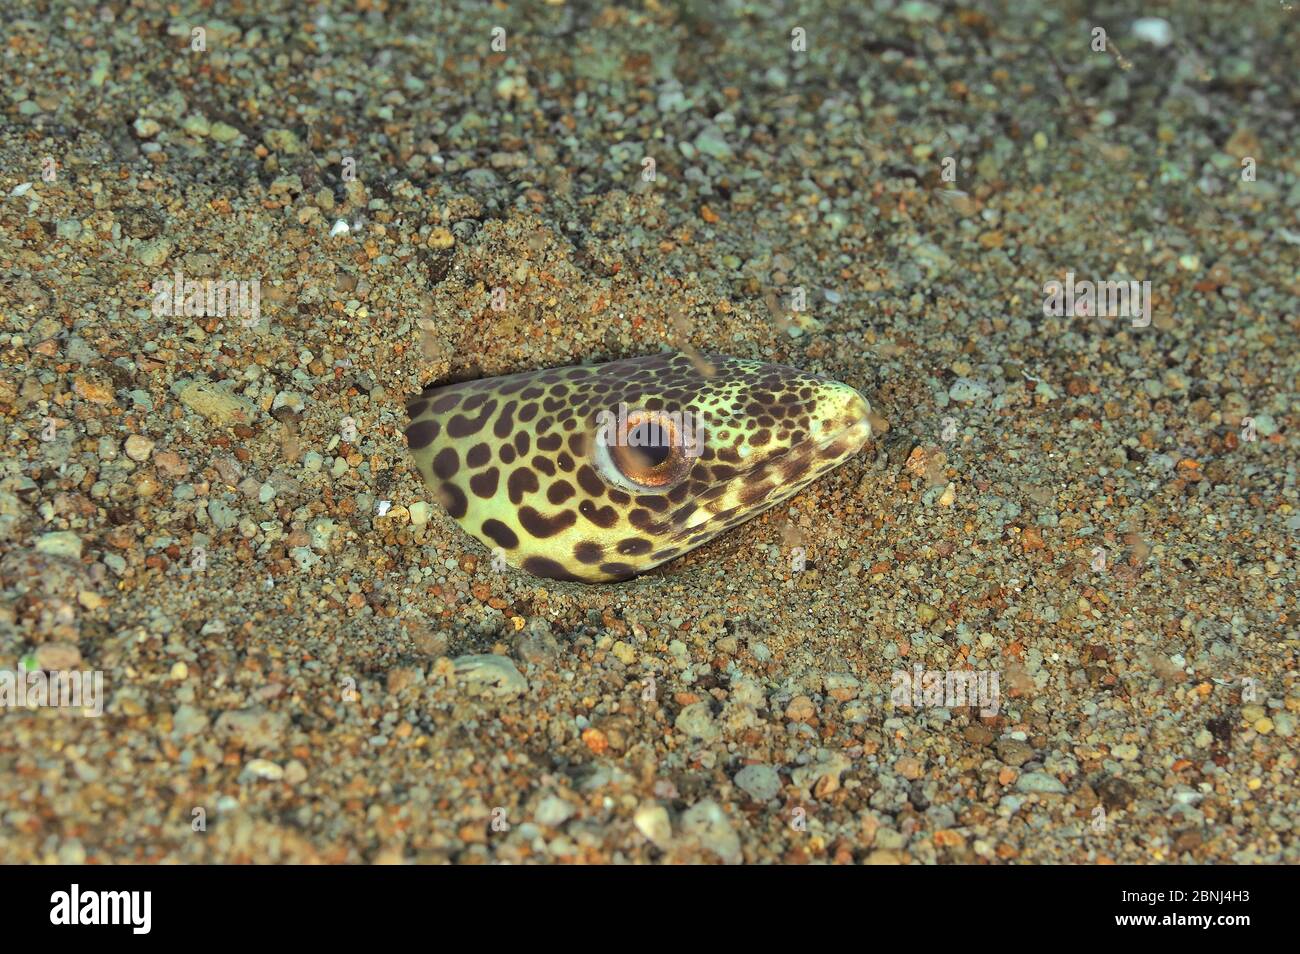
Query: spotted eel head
{"points": [[598, 473]]}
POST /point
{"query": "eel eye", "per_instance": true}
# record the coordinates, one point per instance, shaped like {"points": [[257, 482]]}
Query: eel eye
{"points": [[647, 451]]}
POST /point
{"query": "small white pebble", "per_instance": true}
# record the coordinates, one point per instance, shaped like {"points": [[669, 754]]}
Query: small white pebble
{"points": [[1153, 30], [138, 448]]}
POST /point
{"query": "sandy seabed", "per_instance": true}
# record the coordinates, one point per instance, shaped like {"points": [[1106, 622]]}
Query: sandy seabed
{"points": [[304, 659]]}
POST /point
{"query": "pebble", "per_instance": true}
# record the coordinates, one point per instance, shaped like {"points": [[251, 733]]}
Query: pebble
{"points": [[282, 140], [216, 403], [910, 767], [1013, 752], [918, 11], [696, 721], [1153, 30], [801, 709], [553, 811], [72, 852], [489, 675], [840, 686], [196, 125], [223, 516], [263, 769], [651, 820], [968, 390], [223, 132], [537, 644], [58, 657], [146, 128], [321, 532], [252, 728], [1040, 782], [708, 823], [759, 782], [290, 399], [1126, 751], [92, 389], [1265, 425], [60, 543], [187, 721], [711, 142], [139, 448], [155, 253]]}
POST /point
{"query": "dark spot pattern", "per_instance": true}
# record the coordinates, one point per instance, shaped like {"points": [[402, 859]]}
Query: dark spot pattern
{"points": [[446, 463], [521, 481], [603, 517], [541, 525], [421, 434], [588, 552], [453, 499], [485, 484], [462, 426], [500, 534], [445, 403], [590, 481], [559, 492], [549, 569], [505, 423]]}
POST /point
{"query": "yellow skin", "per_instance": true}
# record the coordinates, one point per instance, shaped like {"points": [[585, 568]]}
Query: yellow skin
{"points": [[531, 465]]}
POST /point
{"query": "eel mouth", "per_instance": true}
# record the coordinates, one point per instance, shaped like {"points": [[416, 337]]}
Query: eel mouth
{"points": [[837, 434], [854, 428], [841, 432]]}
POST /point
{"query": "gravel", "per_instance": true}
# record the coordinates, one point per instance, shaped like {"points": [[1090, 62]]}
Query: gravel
{"points": [[218, 512]]}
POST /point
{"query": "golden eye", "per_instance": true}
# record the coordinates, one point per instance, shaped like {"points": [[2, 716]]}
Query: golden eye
{"points": [[647, 450]]}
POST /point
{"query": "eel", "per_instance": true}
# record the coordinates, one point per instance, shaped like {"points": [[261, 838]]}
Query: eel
{"points": [[597, 473]]}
